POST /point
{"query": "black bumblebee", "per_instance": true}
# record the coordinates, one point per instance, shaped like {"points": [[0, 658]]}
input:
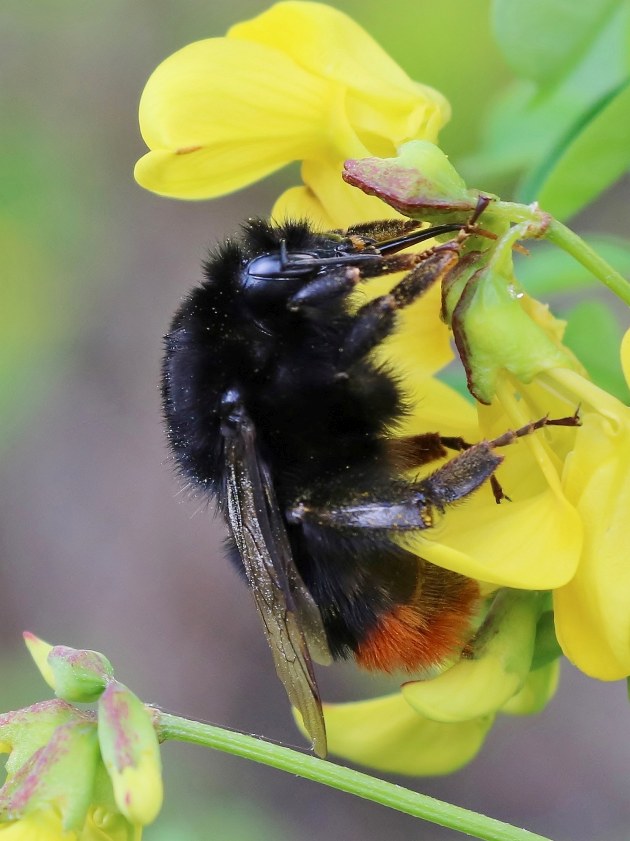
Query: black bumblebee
{"points": [[275, 408]]}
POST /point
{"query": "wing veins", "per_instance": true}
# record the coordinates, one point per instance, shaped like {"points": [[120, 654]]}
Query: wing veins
{"points": [[258, 530]]}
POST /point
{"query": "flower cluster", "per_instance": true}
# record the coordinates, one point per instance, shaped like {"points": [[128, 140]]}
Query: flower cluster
{"points": [[303, 82], [73, 774]]}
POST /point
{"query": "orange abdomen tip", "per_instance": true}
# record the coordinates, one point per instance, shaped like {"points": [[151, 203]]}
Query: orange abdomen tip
{"points": [[423, 634]]}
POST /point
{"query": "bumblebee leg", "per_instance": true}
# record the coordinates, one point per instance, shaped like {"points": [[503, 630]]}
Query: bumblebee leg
{"points": [[377, 319], [416, 450], [412, 514], [467, 471], [332, 284], [342, 279], [411, 507], [372, 258], [370, 233]]}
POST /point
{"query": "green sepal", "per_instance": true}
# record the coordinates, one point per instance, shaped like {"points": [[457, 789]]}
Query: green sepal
{"points": [[23, 732], [59, 775], [546, 647], [420, 182], [498, 328]]}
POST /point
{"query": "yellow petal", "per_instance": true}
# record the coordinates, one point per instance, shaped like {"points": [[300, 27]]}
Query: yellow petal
{"points": [[421, 344], [327, 201], [593, 610], [532, 542], [302, 203], [435, 406], [625, 356], [501, 546], [386, 734], [539, 689], [40, 826], [327, 42], [103, 825], [480, 686], [216, 116], [39, 651]]}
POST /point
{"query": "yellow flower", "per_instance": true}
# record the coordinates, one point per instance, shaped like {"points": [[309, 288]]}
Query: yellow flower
{"points": [[100, 825], [494, 543], [574, 529], [582, 483], [565, 530], [436, 726], [593, 609], [301, 81]]}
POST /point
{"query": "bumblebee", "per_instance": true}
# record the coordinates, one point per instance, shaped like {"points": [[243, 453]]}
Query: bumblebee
{"points": [[275, 408]]}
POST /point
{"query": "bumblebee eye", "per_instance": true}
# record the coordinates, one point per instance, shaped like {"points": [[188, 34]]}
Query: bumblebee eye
{"points": [[281, 266]]}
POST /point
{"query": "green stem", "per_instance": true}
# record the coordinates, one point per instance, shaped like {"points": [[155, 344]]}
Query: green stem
{"points": [[565, 238], [344, 779], [514, 212]]}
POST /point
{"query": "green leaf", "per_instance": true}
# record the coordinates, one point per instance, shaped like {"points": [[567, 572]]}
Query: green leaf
{"points": [[539, 114], [550, 271], [594, 335], [594, 156], [437, 52], [543, 39]]}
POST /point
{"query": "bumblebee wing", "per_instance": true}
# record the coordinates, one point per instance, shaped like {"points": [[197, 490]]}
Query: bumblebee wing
{"points": [[303, 603], [258, 530]]}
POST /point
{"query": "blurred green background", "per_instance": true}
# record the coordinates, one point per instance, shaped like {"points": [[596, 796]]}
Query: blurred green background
{"points": [[96, 549]]}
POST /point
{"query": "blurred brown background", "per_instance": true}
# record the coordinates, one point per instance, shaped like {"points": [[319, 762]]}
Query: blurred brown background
{"points": [[96, 548]]}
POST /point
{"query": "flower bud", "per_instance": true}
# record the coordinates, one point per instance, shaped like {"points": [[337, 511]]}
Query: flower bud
{"points": [[387, 734], [79, 675], [74, 674], [420, 182], [131, 753]]}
